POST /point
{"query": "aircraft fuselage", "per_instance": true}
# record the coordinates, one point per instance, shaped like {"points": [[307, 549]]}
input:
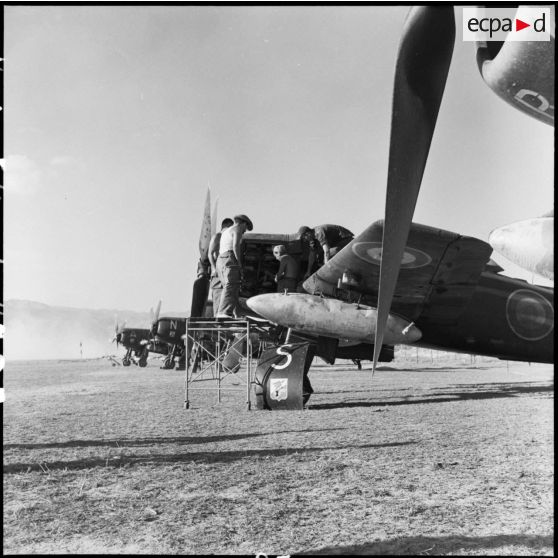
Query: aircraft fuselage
{"points": [[132, 338], [506, 318]]}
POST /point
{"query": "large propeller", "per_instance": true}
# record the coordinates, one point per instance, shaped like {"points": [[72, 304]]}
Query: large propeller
{"points": [[154, 317], [205, 234], [200, 289], [117, 331], [214, 218], [421, 71]]}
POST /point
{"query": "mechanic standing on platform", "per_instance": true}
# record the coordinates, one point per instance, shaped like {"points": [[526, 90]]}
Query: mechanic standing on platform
{"points": [[229, 265], [213, 254]]}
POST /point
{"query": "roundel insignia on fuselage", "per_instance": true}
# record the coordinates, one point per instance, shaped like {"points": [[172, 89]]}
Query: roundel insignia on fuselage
{"points": [[372, 252], [530, 315]]}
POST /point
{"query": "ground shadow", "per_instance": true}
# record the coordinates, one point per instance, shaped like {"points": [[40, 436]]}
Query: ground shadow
{"points": [[165, 459], [437, 546], [124, 442], [466, 393]]}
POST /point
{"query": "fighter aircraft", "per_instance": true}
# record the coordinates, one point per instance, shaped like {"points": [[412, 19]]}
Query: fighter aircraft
{"points": [[441, 284], [448, 296], [135, 341], [138, 342], [168, 331]]}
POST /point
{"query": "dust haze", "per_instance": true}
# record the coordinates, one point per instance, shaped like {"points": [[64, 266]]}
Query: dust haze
{"points": [[38, 331]]}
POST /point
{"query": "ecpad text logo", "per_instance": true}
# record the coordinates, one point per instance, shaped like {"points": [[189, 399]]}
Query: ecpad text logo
{"points": [[525, 23]]}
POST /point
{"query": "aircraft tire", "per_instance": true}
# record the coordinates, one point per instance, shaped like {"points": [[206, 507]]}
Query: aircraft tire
{"points": [[142, 362], [126, 362]]}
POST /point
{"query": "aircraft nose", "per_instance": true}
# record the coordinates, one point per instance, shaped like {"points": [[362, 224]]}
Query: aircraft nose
{"points": [[411, 333], [265, 305]]}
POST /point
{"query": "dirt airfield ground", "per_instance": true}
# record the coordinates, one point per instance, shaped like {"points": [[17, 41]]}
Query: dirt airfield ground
{"points": [[440, 457]]}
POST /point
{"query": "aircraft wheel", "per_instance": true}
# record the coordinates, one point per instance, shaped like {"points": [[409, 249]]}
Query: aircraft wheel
{"points": [[142, 362], [126, 361], [168, 364]]}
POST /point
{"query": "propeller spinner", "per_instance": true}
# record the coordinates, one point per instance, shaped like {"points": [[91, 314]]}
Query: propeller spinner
{"points": [[117, 331]]}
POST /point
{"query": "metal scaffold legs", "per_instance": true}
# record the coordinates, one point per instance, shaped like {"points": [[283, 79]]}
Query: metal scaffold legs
{"points": [[215, 350]]}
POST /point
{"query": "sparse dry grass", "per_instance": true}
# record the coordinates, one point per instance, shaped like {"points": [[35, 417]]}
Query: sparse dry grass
{"points": [[451, 458]]}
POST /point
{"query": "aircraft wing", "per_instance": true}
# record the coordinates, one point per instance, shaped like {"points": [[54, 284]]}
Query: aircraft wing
{"points": [[439, 272]]}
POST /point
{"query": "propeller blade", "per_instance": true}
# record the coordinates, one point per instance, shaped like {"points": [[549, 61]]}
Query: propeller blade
{"points": [[200, 292], [201, 284], [421, 71], [205, 234], [157, 312], [214, 218]]}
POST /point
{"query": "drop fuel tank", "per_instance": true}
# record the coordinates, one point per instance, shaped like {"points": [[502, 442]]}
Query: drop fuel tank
{"points": [[331, 318]]}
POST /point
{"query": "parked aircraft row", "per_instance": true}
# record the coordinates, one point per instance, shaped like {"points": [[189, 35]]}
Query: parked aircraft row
{"points": [[164, 337]]}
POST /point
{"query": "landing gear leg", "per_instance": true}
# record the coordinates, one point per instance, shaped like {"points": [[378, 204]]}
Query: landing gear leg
{"points": [[126, 361], [168, 363], [307, 390], [142, 362]]}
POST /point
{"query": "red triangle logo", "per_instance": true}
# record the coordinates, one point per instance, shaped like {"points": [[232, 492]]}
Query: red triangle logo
{"points": [[519, 25]]}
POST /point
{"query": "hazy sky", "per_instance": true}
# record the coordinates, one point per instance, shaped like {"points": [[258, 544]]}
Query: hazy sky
{"points": [[118, 117]]}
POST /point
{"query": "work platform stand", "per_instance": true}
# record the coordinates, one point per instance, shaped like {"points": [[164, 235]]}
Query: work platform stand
{"points": [[214, 348]]}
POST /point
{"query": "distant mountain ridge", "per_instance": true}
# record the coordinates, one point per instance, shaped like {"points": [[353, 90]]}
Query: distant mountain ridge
{"points": [[35, 330]]}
